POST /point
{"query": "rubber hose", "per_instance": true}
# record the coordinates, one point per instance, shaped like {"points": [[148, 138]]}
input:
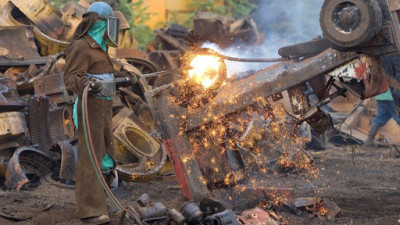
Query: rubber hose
{"points": [[89, 145], [236, 59]]}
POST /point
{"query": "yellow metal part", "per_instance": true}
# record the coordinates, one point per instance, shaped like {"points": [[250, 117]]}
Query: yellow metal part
{"points": [[126, 40], [163, 11], [6, 16], [12, 124], [43, 15], [48, 45], [136, 139]]}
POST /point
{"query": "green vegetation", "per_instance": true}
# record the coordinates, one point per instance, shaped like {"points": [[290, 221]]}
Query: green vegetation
{"points": [[240, 8], [137, 16], [60, 3], [233, 8]]}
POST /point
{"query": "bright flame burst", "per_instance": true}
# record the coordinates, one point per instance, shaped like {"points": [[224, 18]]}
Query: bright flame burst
{"points": [[206, 69]]}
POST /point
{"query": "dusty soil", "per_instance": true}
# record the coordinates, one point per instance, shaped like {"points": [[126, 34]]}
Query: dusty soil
{"points": [[365, 185]]}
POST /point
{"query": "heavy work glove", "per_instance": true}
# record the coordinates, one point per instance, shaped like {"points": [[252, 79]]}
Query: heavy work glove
{"points": [[95, 86], [133, 78]]}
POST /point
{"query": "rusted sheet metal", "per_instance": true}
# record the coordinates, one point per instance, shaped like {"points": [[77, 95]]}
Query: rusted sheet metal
{"points": [[264, 83], [8, 63], [256, 216], [9, 98], [71, 16], [48, 123], [48, 85], [17, 43], [394, 5], [186, 167], [298, 100], [224, 30], [368, 70], [7, 10], [28, 162], [170, 40], [47, 44], [53, 85], [356, 69], [375, 82], [12, 124], [307, 48], [43, 15]]}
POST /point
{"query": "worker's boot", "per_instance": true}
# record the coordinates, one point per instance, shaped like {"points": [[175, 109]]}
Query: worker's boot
{"points": [[371, 135], [97, 219]]}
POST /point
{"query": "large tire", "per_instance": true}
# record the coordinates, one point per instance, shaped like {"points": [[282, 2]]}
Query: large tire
{"points": [[350, 23]]}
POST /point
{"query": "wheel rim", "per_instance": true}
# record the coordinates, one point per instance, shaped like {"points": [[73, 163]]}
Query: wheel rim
{"points": [[347, 17]]}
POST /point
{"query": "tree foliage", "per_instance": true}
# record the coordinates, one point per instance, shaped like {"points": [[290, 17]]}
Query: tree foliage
{"points": [[136, 13], [60, 3], [240, 8], [233, 8], [137, 16]]}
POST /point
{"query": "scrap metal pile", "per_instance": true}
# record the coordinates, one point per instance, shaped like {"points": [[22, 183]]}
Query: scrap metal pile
{"points": [[226, 137], [38, 135], [36, 108], [207, 211]]}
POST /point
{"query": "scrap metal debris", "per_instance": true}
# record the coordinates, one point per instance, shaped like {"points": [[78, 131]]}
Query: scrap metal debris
{"points": [[36, 109], [26, 166], [208, 212], [226, 137], [208, 26], [321, 208]]}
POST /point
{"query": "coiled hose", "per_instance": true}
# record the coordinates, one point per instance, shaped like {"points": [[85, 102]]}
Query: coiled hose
{"points": [[89, 145]]}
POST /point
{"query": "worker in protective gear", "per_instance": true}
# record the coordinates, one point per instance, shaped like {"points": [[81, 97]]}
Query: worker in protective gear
{"points": [[386, 110], [87, 63]]}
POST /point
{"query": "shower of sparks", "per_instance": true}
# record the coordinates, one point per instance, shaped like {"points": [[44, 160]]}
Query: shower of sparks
{"points": [[278, 140], [205, 70]]}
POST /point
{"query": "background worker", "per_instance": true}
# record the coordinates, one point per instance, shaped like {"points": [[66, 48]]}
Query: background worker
{"points": [[386, 110], [87, 62]]}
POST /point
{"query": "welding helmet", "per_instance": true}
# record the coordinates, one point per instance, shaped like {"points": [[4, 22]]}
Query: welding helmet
{"points": [[105, 12]]}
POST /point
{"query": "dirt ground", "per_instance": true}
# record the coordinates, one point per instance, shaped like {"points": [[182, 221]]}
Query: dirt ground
{"points": [[364, 183]]}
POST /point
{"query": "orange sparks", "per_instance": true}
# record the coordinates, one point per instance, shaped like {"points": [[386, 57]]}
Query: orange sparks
{"points": [[206, 69]]}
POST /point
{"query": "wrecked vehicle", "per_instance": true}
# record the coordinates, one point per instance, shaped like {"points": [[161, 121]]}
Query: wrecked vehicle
{"points": [[220, 132]]}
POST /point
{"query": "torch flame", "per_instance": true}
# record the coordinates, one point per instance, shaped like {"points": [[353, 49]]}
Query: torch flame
{"points": [[206, 69]]}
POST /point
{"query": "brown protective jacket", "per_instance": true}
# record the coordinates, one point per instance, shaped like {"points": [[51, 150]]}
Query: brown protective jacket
{"points": [[83, 56]]}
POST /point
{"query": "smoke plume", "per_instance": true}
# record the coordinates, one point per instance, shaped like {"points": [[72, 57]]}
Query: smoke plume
{"points": [[282, 23]]}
